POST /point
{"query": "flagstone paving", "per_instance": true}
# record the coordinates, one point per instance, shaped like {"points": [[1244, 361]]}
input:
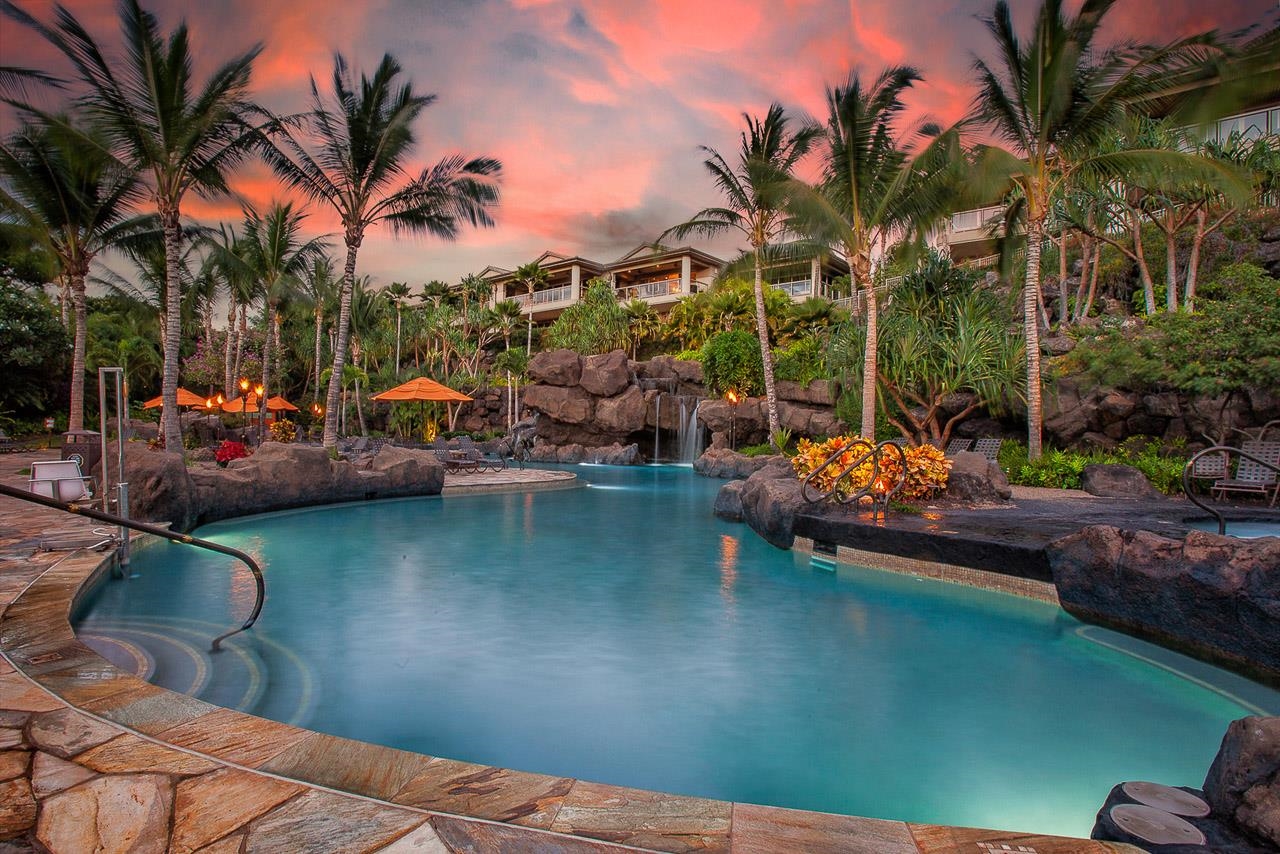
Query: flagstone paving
{"points": [[94, 760]]}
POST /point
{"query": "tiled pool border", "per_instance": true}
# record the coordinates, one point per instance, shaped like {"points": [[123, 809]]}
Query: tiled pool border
{"points": [[1030, 588], [561, 813]]}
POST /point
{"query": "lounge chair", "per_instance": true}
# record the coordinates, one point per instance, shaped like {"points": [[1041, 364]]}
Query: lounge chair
{"points": [[955, 446], [475, 455], [61, 480], [451, 461], [1252, 477], [989, 448], [1210, 467]]}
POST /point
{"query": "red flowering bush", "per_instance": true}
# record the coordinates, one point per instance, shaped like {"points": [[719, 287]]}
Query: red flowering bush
{"points": [[229, 451]]}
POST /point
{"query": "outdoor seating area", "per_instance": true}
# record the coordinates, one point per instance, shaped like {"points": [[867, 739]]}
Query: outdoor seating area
{"points": [[1255, 471]]}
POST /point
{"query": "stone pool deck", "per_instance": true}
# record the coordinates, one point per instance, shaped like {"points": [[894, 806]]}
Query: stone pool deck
{"points": [[94, 759]]}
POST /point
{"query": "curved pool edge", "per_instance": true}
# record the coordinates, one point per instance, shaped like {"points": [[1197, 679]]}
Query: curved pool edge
{"points": [[316, 789]]}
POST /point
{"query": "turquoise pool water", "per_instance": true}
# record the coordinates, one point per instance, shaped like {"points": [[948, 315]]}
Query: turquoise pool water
{"points": [[1247, 530], [621, 633]]}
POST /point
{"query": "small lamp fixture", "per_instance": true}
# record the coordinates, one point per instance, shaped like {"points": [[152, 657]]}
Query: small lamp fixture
{"points": [[218, 400], [732, 396], [244, 385], [258, 389]]}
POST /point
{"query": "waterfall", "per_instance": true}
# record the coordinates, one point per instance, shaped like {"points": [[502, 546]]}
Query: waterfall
{"points": [[657, 423], [690, 436]]}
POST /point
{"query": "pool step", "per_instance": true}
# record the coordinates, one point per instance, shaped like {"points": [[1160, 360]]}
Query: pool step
{"points": [[249, 673], [823, 556]]}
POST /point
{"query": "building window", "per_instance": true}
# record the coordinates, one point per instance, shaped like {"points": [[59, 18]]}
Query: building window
{"points": [[1249, 126]]}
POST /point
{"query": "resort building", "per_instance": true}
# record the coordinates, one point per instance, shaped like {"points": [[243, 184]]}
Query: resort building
{"points": [[658, 275]]}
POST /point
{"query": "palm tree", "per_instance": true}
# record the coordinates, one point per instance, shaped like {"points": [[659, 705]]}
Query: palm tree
{"points": [[160, 122], [318, 290], [507, 315], [350, 153], [875, 190], [64, 188], [642, 323], [753, 194], [397, 293], [277, 258], [1054, 104]]}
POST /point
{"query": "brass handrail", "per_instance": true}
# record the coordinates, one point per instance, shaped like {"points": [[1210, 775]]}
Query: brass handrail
{"points": [[873, 488], [111, 518], [1187, 478]]}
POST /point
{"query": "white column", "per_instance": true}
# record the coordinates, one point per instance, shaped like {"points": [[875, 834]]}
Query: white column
{"points": [[575, 283], [686, 274]]}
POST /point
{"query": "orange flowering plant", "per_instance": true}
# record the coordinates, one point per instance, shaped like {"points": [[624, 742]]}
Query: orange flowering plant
{"points": [[926, 467]]}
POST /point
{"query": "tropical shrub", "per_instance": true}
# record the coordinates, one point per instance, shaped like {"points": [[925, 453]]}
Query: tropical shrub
{"points": [[1230, 343], [926, 467], [597, 324], [284, 431], [803, 361], [731, 360], [1063, 469], [230, 450]]}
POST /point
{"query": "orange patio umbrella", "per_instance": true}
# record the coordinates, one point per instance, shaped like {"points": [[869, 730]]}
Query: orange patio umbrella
{"points": [[279, 404], [422, 388], [185, 398], [248, 403]]}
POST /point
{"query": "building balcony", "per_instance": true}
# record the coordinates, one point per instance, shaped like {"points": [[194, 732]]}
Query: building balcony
{"points": [[661, 290], [550, 298]]}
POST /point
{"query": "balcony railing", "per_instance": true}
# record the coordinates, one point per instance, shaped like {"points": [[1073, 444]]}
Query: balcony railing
{"points": [[560, 294], [648, 290], [796, 288], [974, 219]]}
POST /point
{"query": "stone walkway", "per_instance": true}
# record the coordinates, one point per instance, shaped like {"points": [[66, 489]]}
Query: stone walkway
{"points": [[95, 760]]}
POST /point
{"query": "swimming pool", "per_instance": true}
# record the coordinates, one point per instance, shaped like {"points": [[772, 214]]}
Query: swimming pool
{"points": [[1237, 528], [621, 633]]}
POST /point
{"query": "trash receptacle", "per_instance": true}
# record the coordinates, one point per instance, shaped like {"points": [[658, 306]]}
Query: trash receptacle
{"points": [[86, 445]]}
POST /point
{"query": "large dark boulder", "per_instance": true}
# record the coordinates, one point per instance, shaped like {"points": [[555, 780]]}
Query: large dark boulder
{"points": [[1244, 781], [566, 405], [556, 367], [975, 478], [404, 471], [160, 489], [622, 414], [770, 501], [728, 504], [817, 392], [613, 455], [605, 375], [730, 465], [1214, 597], [1116, 480]]}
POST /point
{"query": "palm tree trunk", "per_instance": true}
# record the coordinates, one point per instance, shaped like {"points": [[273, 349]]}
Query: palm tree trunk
{"points": [[1148, 287], [364, 431], [870, 358], [766, 356], [397, 341], [1031, 332], [1170, 264], [1064, 317], [75, 420], [319, 334], [228, 363], [340, 345], [266, 359], [170, 417]]}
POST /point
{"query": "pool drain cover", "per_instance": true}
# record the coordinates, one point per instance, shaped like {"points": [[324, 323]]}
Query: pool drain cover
{"points": [[1167, 798], [1155, 826]]}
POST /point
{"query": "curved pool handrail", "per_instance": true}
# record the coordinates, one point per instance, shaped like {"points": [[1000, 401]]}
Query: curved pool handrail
{"points": [[101, 516], [1217, 449], [880, 500]]}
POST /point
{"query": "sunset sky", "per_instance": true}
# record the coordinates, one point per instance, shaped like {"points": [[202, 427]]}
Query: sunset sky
{"points": [[596, 109]]}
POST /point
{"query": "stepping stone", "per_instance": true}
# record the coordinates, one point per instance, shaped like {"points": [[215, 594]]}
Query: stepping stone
{"points": [[1155, 826], [1167, 798]]}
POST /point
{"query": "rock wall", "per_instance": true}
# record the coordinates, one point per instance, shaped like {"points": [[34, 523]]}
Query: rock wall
{"points": [[276, 477], [1076, 413], [1217, 598], [605, 400]]}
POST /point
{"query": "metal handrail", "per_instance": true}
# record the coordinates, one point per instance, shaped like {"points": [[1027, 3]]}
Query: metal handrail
{"points": [[111, 518], [1216, 449], [874, 488]]}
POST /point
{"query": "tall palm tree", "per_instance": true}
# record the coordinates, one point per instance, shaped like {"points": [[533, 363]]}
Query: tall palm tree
{"points": [[876, 190], [507, 315], [319, 289], [61, 186], [276, 258], [350, 153], [159, 120], [1053, 103], [397, 293], [753, 191]]}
